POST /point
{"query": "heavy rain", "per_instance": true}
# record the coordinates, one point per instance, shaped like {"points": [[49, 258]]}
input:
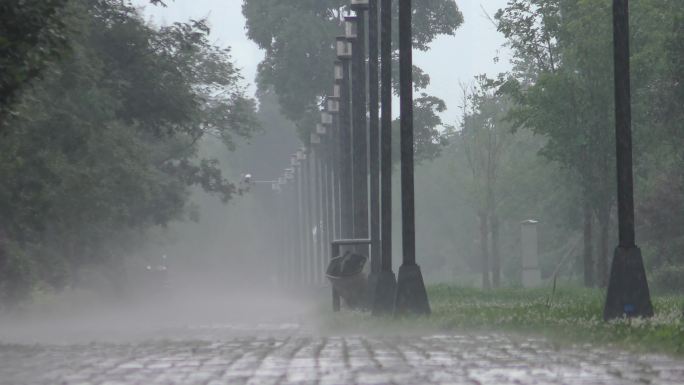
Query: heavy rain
{"points": [[333, 192]]}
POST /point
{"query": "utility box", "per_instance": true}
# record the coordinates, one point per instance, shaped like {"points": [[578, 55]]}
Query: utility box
{"points": [[531, 273]]}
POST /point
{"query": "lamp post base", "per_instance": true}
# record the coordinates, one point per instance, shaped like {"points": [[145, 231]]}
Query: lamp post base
{"points": [[411, 296], [628, 294], [383, 293]]}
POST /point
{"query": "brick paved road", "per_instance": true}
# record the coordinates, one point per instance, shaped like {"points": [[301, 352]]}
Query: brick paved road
{"points": [[267, 341], [285, 354]]}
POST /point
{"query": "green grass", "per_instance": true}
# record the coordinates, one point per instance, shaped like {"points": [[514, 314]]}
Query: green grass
{"points": [[570, 315]]}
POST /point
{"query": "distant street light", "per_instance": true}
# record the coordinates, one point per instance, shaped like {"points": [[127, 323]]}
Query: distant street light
{"points": [[315, 139], [297, 218], [333, 105], [326, 118], [628, 293], [339, 68], [316, 202], [306, 196], [326, 159], [343, 47], [384, 295], [351, 28]]}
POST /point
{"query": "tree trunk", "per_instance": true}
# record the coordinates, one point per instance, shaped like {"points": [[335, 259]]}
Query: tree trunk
{"points": [[484, 240], [496, 258], [588, 257]]}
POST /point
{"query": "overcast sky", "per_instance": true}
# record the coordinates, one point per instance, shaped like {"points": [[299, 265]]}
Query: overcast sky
{"points": [[451, 60]]}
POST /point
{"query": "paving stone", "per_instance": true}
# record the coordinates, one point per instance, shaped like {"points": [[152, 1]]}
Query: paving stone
{"points": [[294, 357]]}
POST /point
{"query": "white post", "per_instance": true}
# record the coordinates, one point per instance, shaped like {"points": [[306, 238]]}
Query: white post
{"points": [[531, 274]]}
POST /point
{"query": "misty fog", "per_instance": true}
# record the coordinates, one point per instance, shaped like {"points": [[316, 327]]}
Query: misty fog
{"points": [[348, 192]]}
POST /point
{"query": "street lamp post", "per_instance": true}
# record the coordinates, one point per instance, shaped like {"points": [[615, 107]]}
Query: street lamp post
{"points": [[295, 176], [278, 206], [386, 287], [327, 154], [411, 296], [343, 147], [374, 145], [284, 253], [360, 123], [302, 193], [344, 53], [334, 154], [316, 202], [628, 293], [309, 216]]}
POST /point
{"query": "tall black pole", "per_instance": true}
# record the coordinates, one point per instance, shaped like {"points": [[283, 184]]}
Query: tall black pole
{"points": [[325, 205], [334, 175], [360, 128], [317, 203], [628, 293], [299, 216], [293, 240], [384, 294], [411, 296], [288, 229], [328, 162], [308, 217], [283, 248], [374, 147], [323, 213], [345, 148]]}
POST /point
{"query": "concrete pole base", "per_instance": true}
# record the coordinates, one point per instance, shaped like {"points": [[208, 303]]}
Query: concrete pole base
{"points": [[384, 290], [411, 296], [628, 294]]}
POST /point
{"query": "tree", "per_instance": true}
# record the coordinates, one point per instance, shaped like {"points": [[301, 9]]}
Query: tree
{"points": [[32, 34], [658, 98], [562, 86], [563, 90], [105, 144], [486, 136], [298, 42]]}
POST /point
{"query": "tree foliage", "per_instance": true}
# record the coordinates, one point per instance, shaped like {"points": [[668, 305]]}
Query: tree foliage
{"points": [[32, 34], [298, 41], [105, 143], [562, 83], [559, 167]]}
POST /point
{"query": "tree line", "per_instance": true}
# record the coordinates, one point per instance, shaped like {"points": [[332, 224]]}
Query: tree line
{"points": [[101, 118], [539, 140], [535, 142]]}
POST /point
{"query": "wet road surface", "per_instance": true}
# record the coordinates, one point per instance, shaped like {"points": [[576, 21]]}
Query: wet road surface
{"points": [[288, 354]]}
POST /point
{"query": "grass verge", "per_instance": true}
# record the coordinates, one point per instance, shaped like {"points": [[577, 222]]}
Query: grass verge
{"points": [[570, 315]]}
